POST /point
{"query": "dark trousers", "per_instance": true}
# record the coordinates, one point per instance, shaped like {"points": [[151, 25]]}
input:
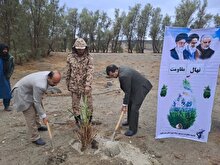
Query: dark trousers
{"points": [[133, 110], [133, 116], [6, 102]]}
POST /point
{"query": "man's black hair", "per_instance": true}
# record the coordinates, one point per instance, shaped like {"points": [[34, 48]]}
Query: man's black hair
{"points": [[111, 68], [181, 36], [192, 36], [2, 54]]}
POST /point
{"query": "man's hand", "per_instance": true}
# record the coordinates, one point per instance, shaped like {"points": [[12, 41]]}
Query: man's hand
{"points": [[45, 120], [124, 108]]}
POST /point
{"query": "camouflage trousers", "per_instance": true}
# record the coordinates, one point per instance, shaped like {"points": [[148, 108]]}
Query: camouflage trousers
{"points": [[33, 122], [76, 98]]}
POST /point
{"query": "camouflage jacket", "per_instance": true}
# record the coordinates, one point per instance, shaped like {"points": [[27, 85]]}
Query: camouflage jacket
{"points": [[79, 72]]}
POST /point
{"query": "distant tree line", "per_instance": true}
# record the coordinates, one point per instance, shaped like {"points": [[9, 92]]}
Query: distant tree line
{"points": [[34, 28]]}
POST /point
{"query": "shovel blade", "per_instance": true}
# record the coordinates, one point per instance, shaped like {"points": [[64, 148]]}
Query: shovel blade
{"points": [[113, 136]]}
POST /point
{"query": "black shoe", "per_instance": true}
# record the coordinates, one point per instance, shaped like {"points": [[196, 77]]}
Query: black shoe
{"points": [[78, 120], [42, 128], [8, 109], [125, 123], [130, 133], [39, 142], [95, 144], [90, 119]]}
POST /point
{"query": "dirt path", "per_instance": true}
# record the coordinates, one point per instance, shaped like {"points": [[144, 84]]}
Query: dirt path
{"points": [[16, 149]]}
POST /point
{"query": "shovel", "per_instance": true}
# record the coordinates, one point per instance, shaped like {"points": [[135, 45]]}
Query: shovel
{"points": [[116, 127], [50, 135]]}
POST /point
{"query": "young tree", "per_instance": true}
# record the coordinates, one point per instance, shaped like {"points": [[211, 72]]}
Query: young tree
{"points": [[185, 11], [88, 21], [202, 19], [36, 14], [155, 30], [165, 22], [8, 17], [142, 25], [116, 30], [130, 25], [54, 22], [103, 34], [72, 26]]}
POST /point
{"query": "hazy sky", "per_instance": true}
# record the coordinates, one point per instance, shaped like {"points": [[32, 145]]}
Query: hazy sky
{"points": [[167, 6]]}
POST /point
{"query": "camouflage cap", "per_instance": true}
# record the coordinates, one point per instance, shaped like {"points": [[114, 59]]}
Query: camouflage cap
{"points": [[80, 44]]}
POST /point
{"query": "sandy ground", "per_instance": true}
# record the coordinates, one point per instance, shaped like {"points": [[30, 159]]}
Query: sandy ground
{"points": [[143, 148]]}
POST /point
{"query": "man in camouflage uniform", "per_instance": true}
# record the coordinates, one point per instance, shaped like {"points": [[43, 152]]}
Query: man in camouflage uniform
{"points": [[79, 77]]}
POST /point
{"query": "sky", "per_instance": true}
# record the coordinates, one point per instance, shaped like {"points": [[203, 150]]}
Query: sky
{"points": [[109, 6]]}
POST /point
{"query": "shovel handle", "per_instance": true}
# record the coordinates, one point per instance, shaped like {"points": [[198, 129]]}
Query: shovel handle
{"points": [[51, 140], [49, 131], [119, 121]]}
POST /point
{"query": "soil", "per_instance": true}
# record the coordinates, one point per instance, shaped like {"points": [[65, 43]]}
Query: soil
{"points": [[141, 149]]}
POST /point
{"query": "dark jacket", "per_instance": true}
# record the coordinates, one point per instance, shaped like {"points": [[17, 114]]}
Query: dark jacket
{"points": [[205, 53], [10, 69], [134, 85], [173, 53], [8, 61]]}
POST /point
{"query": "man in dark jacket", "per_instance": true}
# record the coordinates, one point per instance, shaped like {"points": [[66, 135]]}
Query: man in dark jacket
{"points": [[135, 87], [179, 52], [192, 51], [204, 47], [6, 70]]}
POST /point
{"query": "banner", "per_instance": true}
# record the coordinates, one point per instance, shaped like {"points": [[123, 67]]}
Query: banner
{"points": [[188, 76]]}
